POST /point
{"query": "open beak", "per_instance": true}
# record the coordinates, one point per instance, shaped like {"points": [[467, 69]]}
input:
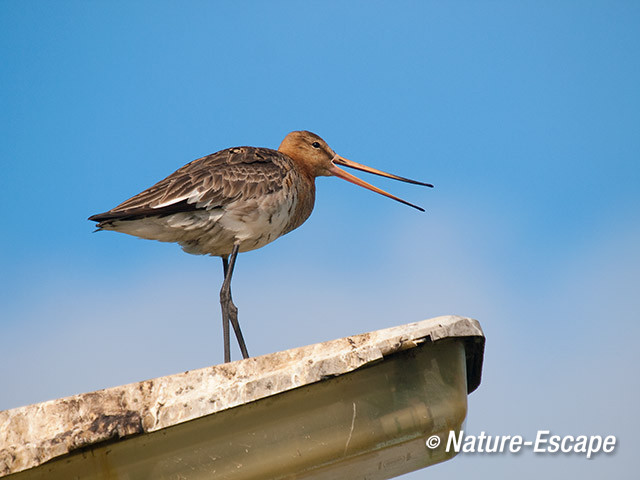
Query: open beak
{"points": [[338, 172]]}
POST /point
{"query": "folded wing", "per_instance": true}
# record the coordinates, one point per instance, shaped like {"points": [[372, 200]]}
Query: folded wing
{"points": [[209, 182]]}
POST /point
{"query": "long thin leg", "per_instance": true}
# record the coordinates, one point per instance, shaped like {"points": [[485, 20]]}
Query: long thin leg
{"points": [[234, 310], [225, 313], [229, 310]]}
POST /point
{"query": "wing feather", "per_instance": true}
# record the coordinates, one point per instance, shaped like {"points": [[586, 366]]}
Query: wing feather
{"points": [[208, 182]]}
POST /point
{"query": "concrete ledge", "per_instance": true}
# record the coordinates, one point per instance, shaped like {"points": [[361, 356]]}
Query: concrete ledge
{"points": [[32, 435]]}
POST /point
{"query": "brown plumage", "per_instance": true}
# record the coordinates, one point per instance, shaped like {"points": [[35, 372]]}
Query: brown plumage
{"points": [[235, 179], [235, 200]]}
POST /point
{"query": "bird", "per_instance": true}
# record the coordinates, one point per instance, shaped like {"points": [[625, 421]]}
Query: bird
{"points": [[237, 200]]}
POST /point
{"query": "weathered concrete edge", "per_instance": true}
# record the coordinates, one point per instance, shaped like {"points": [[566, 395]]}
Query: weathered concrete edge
{"points": [[34, 434]]}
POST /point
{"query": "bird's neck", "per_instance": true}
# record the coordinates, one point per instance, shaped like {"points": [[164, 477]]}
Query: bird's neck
{"points": [[305, 199]]}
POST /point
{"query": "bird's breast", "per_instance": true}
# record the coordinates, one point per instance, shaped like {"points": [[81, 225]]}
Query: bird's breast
{"points": [[251, 220], [255, 221]]}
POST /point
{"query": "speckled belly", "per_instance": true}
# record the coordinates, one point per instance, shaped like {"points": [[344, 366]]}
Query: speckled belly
{"points": [[252, 223]]}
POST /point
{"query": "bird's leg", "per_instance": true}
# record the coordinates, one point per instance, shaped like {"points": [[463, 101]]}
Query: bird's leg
{"points": [[224, 303], [233, 310], [229, 310]]}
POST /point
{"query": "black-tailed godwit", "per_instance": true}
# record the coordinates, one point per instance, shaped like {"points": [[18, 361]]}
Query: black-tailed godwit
{"points": [[236, 200]]}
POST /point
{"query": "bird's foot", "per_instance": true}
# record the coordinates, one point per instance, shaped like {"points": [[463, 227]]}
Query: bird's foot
{"points": [[233, 317], [230, 315]]}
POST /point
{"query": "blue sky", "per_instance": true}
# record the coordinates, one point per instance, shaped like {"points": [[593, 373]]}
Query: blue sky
{"points": [[524, 115]]}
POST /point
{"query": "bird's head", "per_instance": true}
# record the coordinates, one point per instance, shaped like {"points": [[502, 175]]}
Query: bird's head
{"points": [[312, 154]]}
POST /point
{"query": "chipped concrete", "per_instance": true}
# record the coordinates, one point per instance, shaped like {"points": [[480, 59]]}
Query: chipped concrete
{"points": [[34, 434]]}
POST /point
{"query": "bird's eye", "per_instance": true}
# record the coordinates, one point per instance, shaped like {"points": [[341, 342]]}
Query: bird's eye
{"points": [[315, 145]]}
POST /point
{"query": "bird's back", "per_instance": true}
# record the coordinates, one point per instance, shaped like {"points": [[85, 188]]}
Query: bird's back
{"points": [[244, 195]]}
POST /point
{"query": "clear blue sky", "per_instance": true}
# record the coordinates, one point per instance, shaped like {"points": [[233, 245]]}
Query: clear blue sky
{"points": [[525, 116]]}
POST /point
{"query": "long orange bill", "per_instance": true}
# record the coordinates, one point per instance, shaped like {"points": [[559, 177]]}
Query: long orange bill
{"points": [[338, 172]]}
